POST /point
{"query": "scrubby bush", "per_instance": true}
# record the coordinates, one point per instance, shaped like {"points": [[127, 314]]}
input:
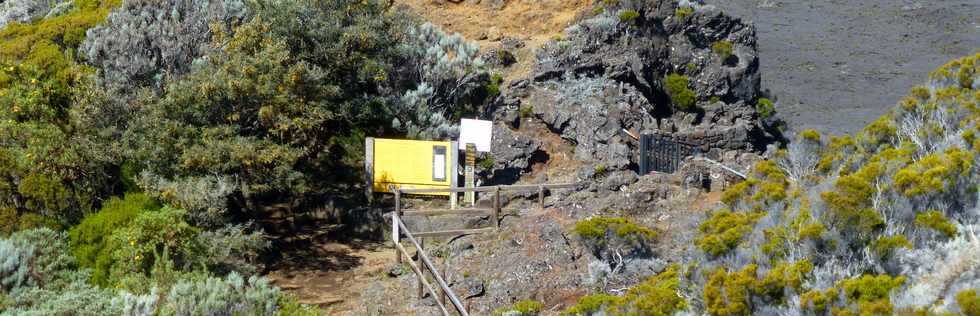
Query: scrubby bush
{"points": [[870, 294], [527, 111], [447, 87], [680, 94], [935, 220], [148, 237], [765, 108], [723, 49], [143, 41], [47, 170], [657, 295], [628, 16], [233, 295], [969, 302], [724, 230], [521, 308], [683, 12], [90, 240], [614, 236]]}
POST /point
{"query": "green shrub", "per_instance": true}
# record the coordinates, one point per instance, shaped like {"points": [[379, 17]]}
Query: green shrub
{"points": [[597, 10], [607, 236], [493, 87], [89, 240], [590, 304], [600, 170], [936, 220], [723, 49], [599, 228], [521, 308], [233, 295], [885, 245], [871, 293], [680, 94], [683, 12], [817, 301], [729, 293], [628, 15], [765, 108], [934, 173], [657, 295], [486, 163], [148, 237], [724, 230], [289, 305], [969, 302], [850, 201], [527, 111], [783, 276]]}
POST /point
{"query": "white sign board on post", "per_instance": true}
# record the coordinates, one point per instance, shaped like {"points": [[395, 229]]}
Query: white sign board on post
{"points": [[476, 132]]}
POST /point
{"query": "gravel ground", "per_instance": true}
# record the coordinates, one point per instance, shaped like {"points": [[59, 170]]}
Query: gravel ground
{"points": [[836, 65]]}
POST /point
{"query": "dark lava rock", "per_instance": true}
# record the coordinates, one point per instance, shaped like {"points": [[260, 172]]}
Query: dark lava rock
{"points": [[606, 77]]}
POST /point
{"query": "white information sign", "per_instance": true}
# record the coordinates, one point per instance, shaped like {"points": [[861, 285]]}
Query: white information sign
{"points": [[477, 132]]}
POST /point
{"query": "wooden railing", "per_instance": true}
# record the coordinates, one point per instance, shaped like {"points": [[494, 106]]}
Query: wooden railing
{"points": [[427, 264], [398, 229]]}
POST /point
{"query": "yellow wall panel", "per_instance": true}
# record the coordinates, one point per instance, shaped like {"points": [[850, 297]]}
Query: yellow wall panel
{"points": [[410, 164]]}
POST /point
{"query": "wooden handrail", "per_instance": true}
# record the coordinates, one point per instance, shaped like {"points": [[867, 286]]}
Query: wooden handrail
{"points": [[432, 290], [516, 187], [432, 268]]}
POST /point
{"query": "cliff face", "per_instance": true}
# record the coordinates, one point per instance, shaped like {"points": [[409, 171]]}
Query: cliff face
{"points": [[609, 73]]}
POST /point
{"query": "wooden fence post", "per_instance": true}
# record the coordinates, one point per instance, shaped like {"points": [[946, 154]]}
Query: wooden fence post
{"points": [[496, 208], [394, 225], [541, 196]]}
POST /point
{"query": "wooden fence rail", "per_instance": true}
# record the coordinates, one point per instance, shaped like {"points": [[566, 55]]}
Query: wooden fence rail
{"points": [[398, 229], [457, 304]]}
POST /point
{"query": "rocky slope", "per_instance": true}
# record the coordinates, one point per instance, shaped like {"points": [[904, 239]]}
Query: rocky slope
{"points": [[567, 120]]}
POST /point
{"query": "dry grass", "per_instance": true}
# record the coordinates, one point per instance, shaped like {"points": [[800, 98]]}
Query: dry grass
{"points": [[533, 21]]}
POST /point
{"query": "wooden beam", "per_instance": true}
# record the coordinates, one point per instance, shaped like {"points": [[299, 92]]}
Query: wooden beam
{"points": [[496, 209], [435, 274], [517, 187], [395, 236], [541, 196], [455, 232], [437, 212], [432, 290]]}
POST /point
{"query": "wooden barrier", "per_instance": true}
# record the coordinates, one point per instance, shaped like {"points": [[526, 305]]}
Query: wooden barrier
{"points": [[398, 229], [426, 264]]}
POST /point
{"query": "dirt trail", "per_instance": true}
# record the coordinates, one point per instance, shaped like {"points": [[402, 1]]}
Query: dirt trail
{"points": [[324, 272]]}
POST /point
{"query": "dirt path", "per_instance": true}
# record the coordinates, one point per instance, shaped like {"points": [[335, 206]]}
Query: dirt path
{"points": [[325, 272]]}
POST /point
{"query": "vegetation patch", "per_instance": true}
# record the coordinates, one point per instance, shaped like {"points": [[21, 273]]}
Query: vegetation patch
{"points": [[521, 308], [657, 295], [628, 16], [610, 236], [683, 12], [723, 49], [724, 230], [765, 108], [680, 94]]}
